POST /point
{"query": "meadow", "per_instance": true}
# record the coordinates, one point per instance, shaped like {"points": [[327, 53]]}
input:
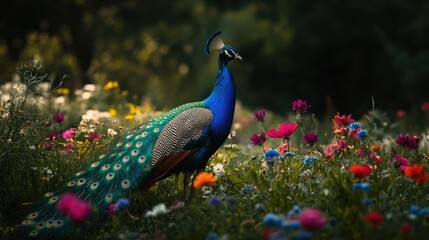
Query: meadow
{"points": [[298, 176]]}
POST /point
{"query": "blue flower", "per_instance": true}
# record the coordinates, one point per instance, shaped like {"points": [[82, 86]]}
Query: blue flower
{"points": [[414, 209], [424, 211], [121, 203], [304, 235], [211, 236], [308, 160], [271, 155], [247, 189], [291, 225], [366, 201], [362, 134], [215, 201], [354, 125], [272, 220], [289, 154], [295, 211], [364, 186]]}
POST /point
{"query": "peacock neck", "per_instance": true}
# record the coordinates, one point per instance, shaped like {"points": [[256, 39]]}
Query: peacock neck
{"points": [[222, 102]]}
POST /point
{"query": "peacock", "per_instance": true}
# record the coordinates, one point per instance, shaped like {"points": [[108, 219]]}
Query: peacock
{"points": [[181, 140]]}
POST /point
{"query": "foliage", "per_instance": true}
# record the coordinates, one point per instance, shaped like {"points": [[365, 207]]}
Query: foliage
{"points": [[155, 49], [359, 179]]}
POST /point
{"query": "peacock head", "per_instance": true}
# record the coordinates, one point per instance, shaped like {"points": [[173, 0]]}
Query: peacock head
{"points": [[227, 53]]}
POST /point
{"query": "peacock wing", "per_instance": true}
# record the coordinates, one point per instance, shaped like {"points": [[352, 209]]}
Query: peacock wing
{"points": [[179, 140]]}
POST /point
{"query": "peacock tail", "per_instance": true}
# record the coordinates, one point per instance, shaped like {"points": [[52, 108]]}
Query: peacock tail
{"points": [[114, 174], [181, 140]]}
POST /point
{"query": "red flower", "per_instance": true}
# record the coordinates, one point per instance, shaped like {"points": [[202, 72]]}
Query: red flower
{"points": [[425, 106], [406, 228], [310, 138], [417, 173], [360, 170], [400, 113], [360, 152], [285, 130], [343, 121], [374, 218], [76, 209]]}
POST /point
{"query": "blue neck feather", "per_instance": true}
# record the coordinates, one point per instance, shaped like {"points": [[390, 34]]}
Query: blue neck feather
{"points": [[222, 103]]}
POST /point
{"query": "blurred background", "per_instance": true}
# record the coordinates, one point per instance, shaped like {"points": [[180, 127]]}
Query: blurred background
{"points": [[336, 54]]}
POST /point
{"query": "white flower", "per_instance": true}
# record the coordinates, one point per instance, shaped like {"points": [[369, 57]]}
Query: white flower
{"points": [[157, 210], [89, 87], [86, 95], [111, 132], [60, 100], [218, 170], [95, 115]]}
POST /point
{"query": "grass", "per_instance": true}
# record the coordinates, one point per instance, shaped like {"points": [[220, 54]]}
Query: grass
{"points": [[256, 196]]}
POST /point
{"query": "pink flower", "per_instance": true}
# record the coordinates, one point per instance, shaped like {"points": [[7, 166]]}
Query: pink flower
{"points": [[400, 113], [312, 219], [377, 159], [59, 117], [284, 147], [69, 134], [403, 162], [329, 151], [285, 130], [406, 140], [111, 209], [341, 145], [76, 209]]}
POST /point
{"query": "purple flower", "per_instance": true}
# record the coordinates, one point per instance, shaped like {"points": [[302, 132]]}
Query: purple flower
{"points": [[52, 136], [121, 203], [215, 201], [94, 136], [59, 117], [258, 138], [406, 140], [260, 115], [310, 138], [300, 106]]}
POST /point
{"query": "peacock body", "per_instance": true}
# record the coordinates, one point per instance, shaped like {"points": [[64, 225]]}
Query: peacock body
{"points": [[181, 140]]}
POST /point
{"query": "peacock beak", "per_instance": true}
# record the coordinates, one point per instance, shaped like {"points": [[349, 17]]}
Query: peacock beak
{"points": [[237, 56]]}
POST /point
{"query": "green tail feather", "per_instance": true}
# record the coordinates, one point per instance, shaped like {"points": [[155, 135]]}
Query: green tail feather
{"points": [[112, 176]]}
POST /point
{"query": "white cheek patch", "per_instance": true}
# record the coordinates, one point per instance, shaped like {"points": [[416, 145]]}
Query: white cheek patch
{"points": [[227, 53]]}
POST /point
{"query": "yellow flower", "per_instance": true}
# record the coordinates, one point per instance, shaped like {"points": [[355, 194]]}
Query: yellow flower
{"points": [[63, 91], [124, 93], [129, 117], [111, 85], [134, 109], [113, 112]]}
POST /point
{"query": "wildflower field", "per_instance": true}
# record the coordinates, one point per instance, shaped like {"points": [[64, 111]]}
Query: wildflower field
{"points": [[277, 177]]}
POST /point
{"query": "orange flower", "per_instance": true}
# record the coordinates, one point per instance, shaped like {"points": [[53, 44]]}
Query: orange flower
{"points": [[204, 179], [417, 173], [375, 148], [360, 170]]}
